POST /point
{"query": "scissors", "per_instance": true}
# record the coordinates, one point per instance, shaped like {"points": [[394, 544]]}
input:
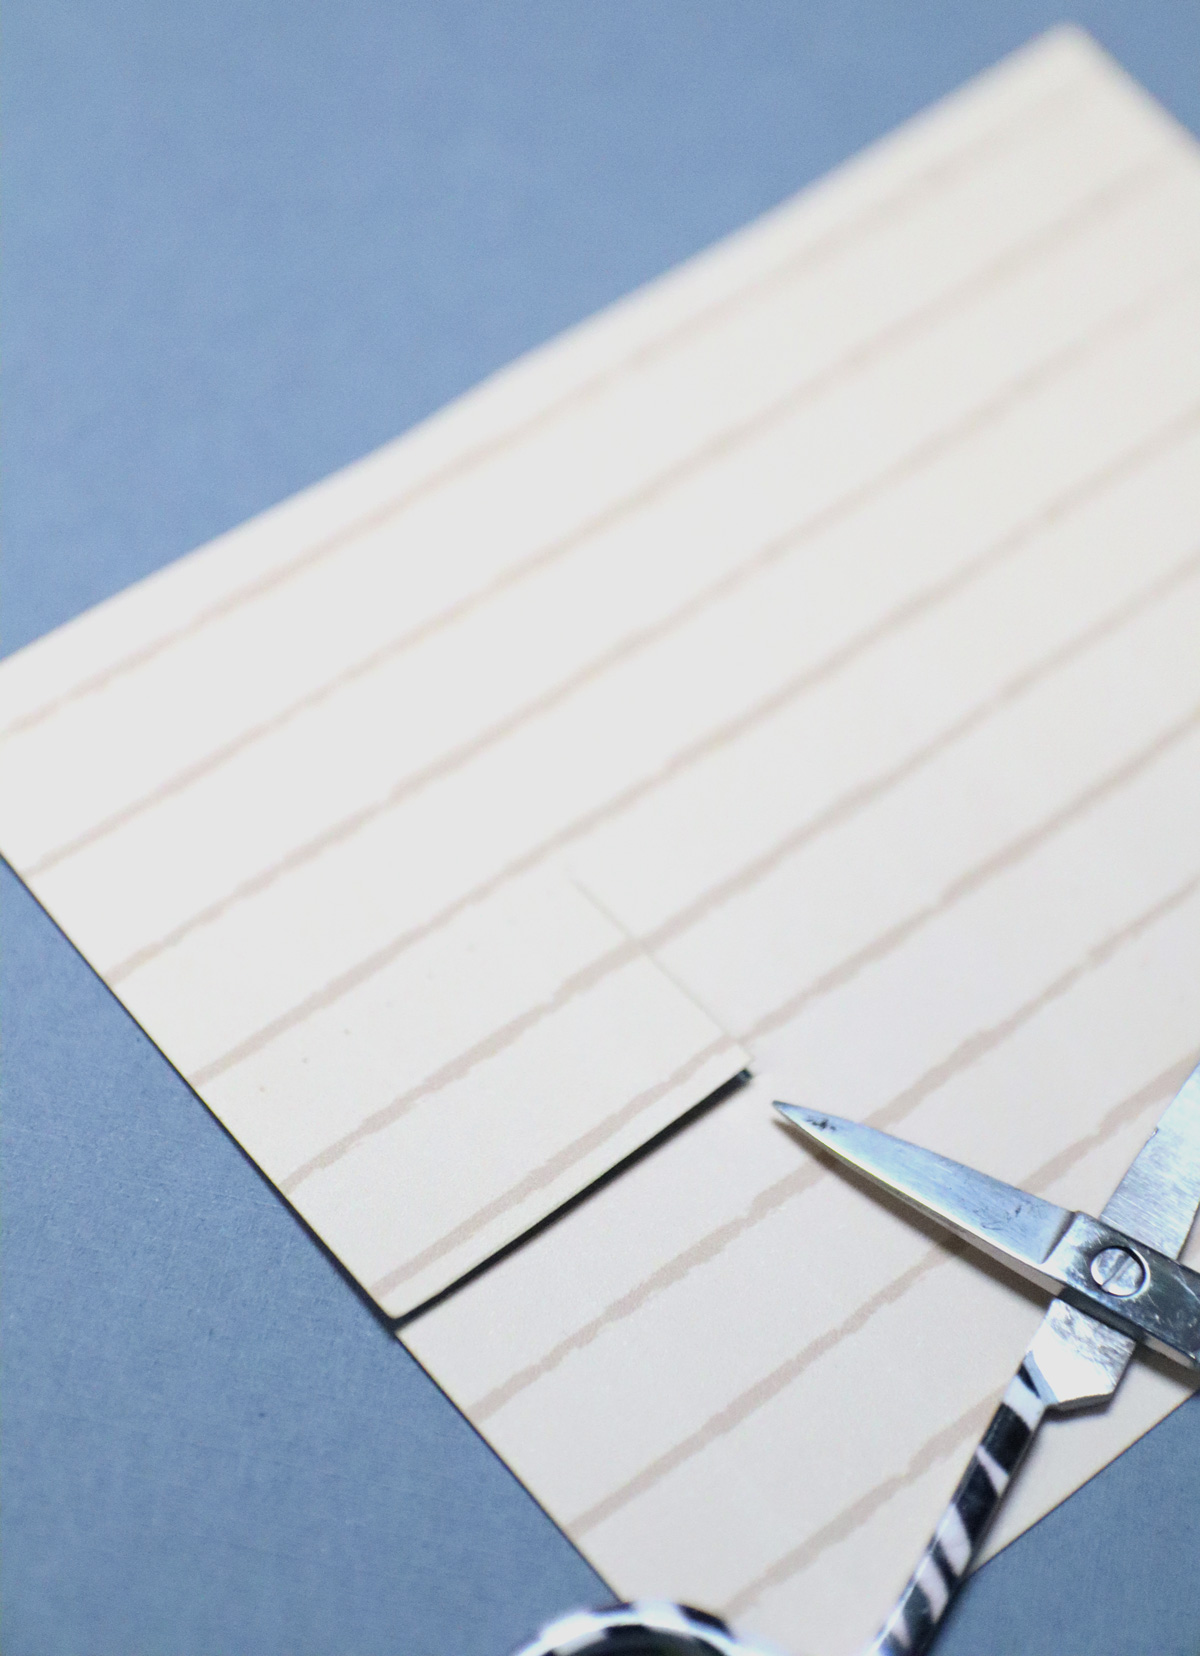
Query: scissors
{"points": [[1117, 1283]]}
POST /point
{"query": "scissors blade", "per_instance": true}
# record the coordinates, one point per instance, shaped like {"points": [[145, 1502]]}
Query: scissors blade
{"points": [[1157, 1200], [1008, 1223]]}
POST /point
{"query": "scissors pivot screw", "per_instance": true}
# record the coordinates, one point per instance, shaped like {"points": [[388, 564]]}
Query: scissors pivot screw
{"points": [[1118, 1272]]}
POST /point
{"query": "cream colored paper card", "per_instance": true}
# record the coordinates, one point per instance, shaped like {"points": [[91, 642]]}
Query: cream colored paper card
{"points": [[795, 665]]}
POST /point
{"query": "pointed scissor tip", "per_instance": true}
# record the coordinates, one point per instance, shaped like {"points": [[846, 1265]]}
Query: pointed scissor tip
{"points": [[809, 1121]]}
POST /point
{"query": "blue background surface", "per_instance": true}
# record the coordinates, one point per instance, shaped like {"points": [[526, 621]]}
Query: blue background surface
{"points": [[247, 242]]}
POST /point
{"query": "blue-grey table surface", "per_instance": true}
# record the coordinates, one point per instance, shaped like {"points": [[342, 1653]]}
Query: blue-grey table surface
{"points": [[248, 241]]}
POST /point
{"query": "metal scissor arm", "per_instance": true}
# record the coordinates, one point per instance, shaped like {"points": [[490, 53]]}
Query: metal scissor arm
{"points": [[1096, 1267]]}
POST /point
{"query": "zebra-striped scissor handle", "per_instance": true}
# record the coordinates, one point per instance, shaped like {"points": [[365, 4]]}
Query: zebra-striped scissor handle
{"points": [[648, 1628], [910, 1628]]}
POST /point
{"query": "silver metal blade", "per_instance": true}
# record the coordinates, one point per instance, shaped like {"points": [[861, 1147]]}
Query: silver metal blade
{"points": [[1073, 1359], [1157, 1200], [1008, 1223]]}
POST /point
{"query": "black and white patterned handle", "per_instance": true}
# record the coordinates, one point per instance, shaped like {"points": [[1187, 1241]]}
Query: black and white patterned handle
{"points": [[910, 1629]]}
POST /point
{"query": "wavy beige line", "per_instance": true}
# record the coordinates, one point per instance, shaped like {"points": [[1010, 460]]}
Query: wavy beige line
{"points": [[969, 1052], [869, 792], [1008, 856], [761, 1392], [923, 455], [457, 1068], [1103, 204], [878, 214], [747, 1403], [965, 1430], [968, 1425], [587, 977], [540, 1178]]}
